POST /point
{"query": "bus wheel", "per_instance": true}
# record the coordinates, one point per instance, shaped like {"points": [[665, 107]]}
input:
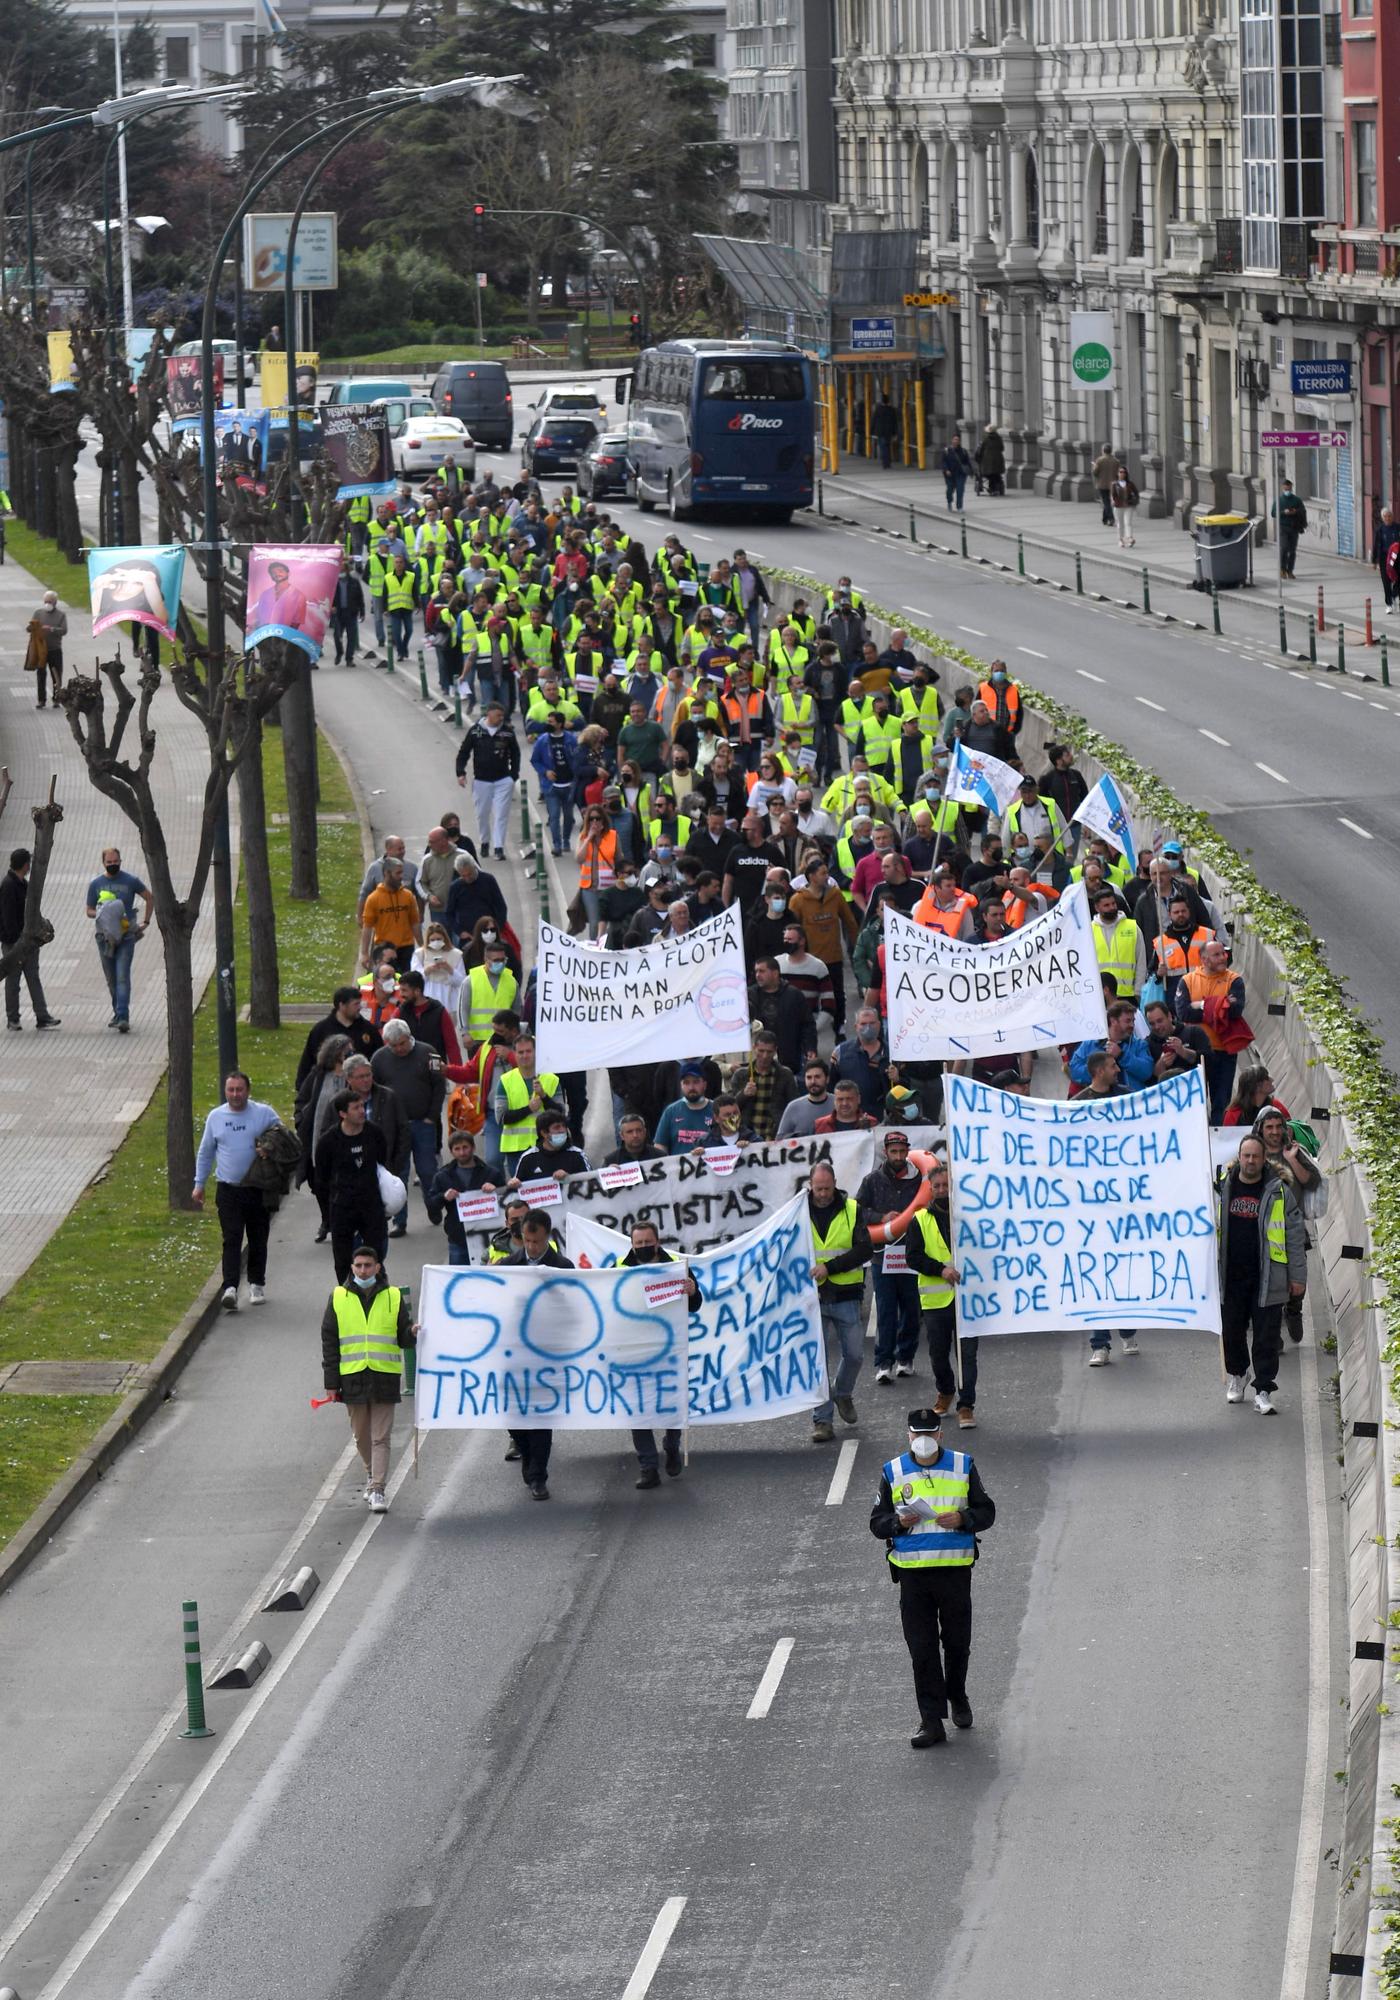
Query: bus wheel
{"points": [[644, 506], [673, 506]]}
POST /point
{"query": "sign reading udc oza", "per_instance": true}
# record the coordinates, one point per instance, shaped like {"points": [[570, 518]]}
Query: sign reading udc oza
{"points": [[688, 996], [1038, 986], [1096, 1212]]}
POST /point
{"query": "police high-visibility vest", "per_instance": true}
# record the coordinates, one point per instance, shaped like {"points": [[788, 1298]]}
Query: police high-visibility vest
{"points": [[875, 740], [928, 912], [518, 1126], [1009, 703], [933, 1292], [486, 1000], [840, 1236], [368, 1339], [1176, 958], [922, 704], [399, 590], [797, 712], [947, 1486], [1012, 821], [1118, 954]]}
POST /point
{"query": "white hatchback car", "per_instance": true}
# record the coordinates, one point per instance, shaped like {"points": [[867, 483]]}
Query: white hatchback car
{"points": [[420, 439], [572, 399]]}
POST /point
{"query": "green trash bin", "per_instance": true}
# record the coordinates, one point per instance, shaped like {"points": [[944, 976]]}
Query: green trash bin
{"points": [[1223, 545]]}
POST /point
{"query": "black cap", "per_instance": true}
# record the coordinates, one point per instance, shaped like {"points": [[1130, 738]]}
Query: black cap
{"points": [[925, 1420]]}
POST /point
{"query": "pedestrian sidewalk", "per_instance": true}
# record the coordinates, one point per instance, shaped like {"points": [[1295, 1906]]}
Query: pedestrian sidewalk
{"points": [[67, 1098], [1055, 531]]}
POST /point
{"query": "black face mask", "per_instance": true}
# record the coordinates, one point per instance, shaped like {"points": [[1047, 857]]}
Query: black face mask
{"points": [[652, 1256]]}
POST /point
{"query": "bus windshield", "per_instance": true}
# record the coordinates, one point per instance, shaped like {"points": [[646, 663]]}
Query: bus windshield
{"points": [[765, 379]]}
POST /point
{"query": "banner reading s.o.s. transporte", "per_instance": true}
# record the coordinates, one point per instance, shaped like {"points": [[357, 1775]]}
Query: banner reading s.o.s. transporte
{"points": [[679, 997], [1034, 988], [1094, 1213], [547, 1348], [755, 1345]]}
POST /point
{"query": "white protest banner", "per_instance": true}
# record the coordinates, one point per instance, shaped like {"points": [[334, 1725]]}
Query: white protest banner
{"points": [[1035, 988], [564, 1350], [543, 1193], [477, 1207], [755, 1342], [1095, 1212], [688, 996]]}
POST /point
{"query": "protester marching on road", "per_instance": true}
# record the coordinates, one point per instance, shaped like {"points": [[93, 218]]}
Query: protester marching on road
{"points": [[842, 1244], [492, 753], [535, 1252], [365, 1330], [1262, 1251]]}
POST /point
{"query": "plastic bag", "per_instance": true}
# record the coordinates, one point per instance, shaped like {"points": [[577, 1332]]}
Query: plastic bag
{"points": [[392, 1191]]}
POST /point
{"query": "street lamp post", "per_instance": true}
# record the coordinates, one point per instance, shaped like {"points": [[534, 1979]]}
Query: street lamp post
{"points": [[225, 1001]]}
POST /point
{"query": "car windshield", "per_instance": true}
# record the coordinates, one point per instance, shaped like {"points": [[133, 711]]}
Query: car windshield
{"points": [[569, 429], [574, 402], [616, 442]]}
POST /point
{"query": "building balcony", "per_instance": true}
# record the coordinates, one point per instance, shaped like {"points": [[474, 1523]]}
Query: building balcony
{"points": [[1361, 260], [1190, 249], [1229, 244]]}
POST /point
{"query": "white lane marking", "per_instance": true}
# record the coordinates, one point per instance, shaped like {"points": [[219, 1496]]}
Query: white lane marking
{"points": [[1150, 704], [1085, 675], [1032, 652], [1226, 651], [1272, 665], [696, 536], [917, 611], [132, 1881], [768, 1686], [1343, 821], [1215, 739], [1350, 696], [841, 1478], [1381, 706], [654, 1950], [1270, 772], [173, 1714], [1302, 1905], [967, 628], [1297, 674]]}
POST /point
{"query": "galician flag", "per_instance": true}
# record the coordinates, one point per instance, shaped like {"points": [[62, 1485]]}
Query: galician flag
{"points": [[272, 20], [974, 779], [1104, 812]]}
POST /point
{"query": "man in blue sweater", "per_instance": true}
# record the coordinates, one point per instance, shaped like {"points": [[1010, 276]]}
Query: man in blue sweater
{"points": [[227, 1148]]}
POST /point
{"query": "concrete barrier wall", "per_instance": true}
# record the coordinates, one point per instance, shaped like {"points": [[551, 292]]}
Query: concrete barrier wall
{"points": [[1349, 1310]]}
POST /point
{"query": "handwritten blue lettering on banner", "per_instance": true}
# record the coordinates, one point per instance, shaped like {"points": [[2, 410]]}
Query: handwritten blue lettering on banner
{"points": [[1096, 1212], [548, 1348], [755, 1338]]}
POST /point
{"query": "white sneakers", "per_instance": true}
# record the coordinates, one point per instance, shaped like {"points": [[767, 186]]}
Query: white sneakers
{"points": [[374, 1495], [1098, 1357], [257, 1295], [229, 1299], [903, 1368], [1264, 1404], [1130, 1346], [1234, 1388], [883, 1375]]}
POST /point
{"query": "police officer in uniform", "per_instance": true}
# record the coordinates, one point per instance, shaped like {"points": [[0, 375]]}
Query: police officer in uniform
{"points": [[930, 1509]]}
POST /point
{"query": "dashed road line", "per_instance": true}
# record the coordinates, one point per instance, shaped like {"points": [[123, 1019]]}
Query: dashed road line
{"points": [[1085, 675], [654, 1950], [969, 628], [1270, 772], [841, 1478], [1215, 739], [1030, 650], [1150, 704], [768, 1686], [1342, 820]]}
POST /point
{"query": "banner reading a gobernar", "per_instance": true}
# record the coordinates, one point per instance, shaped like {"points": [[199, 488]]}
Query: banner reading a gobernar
{"points": [[1037, 987], [1095, 1212], [686, 997], [755, 1344], [561, 1350]]}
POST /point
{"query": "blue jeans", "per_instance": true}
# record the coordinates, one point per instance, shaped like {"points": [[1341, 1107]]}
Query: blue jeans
{"points": [[942, 1324], [458, 1253], [843, 1334], [644, 1444], [559, 804], [423, 1146], [116, 969], [401, 631], [953, 485], [896, 1317], [377, 604]]}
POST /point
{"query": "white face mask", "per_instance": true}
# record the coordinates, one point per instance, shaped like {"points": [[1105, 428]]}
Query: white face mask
{"points": [[366, 1284], [925, 1448]]}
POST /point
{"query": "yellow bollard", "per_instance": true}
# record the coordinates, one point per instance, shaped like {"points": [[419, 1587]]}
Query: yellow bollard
{"points": [[919, 421]]}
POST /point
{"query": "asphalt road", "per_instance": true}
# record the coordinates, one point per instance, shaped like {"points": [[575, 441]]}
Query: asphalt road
{"points": [[504, 1738]]}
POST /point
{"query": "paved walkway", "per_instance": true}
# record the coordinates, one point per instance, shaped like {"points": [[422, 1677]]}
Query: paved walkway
{"points": [[1055, 530], [67, 1098]]}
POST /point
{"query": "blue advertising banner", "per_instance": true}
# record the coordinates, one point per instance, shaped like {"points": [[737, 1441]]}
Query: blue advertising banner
{"points": [[138, 584]]}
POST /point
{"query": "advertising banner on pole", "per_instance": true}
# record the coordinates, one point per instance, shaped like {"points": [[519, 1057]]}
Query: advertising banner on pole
{"points": [[272, 381], [141, 585], [1099, 1212], [289, 593], [688, 997], [502, 1346], [755, 1345], [1091, 350], [316, 266], [1034, 988], [184, 377], [356, 442]]}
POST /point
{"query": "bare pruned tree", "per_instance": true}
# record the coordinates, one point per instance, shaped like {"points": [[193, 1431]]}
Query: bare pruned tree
{"points": [[36, 931]]}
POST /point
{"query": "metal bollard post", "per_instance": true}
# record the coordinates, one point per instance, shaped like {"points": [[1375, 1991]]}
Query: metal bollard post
{"points": [[1020, 555], [821, 498], [1146, 593], [195, 1724], [1282, 632], [1078, 574], [1321, 617], [524, 817], [423, 674], [1385, 661], [1341, 649], [962, 525], [1312, 640], [457, 704], [913, 527], [1370, 631], [542, 885], [1215, 608]]}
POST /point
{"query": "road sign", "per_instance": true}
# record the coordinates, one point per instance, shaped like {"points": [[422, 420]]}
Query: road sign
{"points": [[265, 252], [1303, 440], [1321, 378], [872, 335], [925, 299]]}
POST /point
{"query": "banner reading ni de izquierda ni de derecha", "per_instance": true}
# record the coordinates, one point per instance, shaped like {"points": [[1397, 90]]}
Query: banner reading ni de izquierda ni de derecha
{"points": [[679, 997], [1098, 1212], [755, 1346], [1035, 988], [543, 1348]]}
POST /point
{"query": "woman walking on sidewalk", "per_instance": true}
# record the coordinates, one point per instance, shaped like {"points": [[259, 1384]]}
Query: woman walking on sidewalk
{"points": [[1124, 496]]}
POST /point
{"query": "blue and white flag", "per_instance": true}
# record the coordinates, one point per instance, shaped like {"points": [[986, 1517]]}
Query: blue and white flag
{"points": [[975, 779], [272, 20], [1104, 812]]}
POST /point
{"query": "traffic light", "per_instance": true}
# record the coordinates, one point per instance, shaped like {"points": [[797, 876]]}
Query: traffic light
{"points": [[478, 217]]}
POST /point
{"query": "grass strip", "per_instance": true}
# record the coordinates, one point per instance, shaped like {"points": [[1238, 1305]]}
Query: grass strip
{"points": [[40, 1436]]}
